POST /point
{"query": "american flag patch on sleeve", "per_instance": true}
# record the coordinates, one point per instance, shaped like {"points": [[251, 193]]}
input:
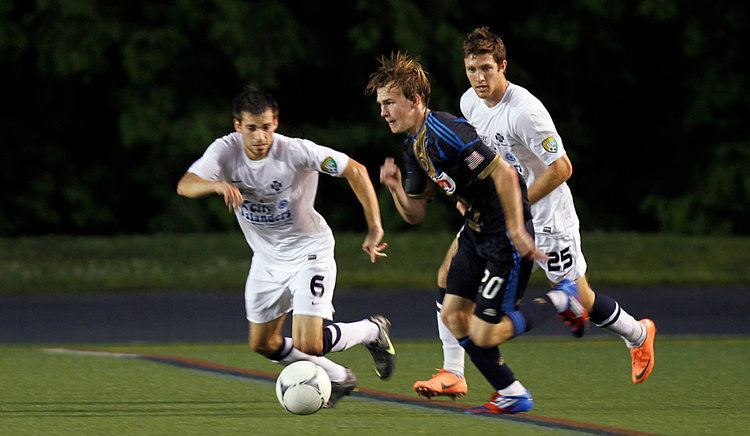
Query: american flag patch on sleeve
{"points": [[474, 159]]}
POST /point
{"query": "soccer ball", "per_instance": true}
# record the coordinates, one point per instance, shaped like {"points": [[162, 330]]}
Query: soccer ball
{"points": [[303, 388]]}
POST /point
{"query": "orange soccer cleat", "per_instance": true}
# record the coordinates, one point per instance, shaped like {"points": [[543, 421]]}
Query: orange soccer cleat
{"points": [[643, 356], [442, 383]]}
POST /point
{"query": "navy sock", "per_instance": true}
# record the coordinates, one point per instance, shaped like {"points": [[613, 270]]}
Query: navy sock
{"points": [[531, 314], [490, 363], [331, 337], [602, 309]]}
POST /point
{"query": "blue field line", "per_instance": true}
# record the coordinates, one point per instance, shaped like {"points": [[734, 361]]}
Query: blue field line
{"points": [[370, 394]]}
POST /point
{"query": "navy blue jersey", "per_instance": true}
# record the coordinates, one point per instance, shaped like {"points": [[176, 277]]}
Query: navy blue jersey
{"points": [[447, 150]]}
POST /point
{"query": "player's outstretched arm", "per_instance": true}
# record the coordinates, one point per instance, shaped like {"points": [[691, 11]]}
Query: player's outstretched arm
{"points": [[412, 210], [193, 186], [356, 174], [505, 179]]}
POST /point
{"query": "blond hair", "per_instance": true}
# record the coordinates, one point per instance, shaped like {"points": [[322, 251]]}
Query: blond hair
{"points": [[401, 71]]}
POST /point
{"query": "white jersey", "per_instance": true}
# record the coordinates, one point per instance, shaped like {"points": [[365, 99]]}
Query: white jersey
{"points": [[277, 216], [520, 130]]}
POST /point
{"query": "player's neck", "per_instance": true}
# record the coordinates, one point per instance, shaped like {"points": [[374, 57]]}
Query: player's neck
{"points": [[495, 98], [420, 122]]}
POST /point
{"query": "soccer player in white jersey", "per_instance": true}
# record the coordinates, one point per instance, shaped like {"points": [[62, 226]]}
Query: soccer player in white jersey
{"points": [[269, 181], [517, 126]]}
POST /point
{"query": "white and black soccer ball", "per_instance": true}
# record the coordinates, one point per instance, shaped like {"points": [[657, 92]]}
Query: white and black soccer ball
{"points": [[303, 388]]}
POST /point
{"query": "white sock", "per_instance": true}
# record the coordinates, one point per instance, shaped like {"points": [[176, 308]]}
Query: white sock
{"points": [[453, 352], [559, 300], [513, 389], [345, 335], [627, 327], [335, 371]]}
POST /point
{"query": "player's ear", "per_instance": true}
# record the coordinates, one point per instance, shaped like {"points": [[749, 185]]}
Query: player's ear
{"points": [[416, 100], [503, 66], [237, 125], [275, 122]]}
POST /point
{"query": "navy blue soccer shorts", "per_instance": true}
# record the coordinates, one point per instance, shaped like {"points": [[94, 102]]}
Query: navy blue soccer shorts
{"points": [[489, 271]]}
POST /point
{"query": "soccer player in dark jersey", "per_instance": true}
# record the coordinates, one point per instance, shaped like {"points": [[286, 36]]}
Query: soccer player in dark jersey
{"points": [[490, 270]]}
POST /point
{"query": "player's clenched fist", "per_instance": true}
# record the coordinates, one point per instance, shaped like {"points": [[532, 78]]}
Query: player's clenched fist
{"points": [[232, 196], [390, 174]]}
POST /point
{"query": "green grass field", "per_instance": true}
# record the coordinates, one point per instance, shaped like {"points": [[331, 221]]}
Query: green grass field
{"points": [[221, 261], [699, 386]]}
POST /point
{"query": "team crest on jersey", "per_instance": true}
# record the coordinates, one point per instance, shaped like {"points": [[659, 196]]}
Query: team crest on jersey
{"points": [[446, 182], [550, 144], [329, 165], [499, 141]]}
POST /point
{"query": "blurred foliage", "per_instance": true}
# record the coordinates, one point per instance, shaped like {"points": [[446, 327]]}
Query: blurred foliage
{"points": [[107, 103]]}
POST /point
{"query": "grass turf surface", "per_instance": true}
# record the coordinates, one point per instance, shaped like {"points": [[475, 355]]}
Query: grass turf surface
{"points": [[699, 386]]}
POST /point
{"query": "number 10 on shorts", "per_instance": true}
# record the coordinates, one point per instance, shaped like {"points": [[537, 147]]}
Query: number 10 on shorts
{"points": [[491, 285]]}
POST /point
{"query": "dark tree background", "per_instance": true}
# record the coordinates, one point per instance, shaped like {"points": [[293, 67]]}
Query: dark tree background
{"points": [[108, 103]]}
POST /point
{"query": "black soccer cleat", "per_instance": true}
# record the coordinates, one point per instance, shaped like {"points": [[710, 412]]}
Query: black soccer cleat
{"points": [[339, 389], [382, 349]]}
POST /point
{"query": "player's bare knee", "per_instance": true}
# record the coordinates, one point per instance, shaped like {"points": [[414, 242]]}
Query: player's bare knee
{"points": [[481, 341], [453, 319]]}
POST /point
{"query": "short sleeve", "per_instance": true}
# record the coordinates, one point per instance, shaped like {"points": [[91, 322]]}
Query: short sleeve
{"points": [[466, 104], [319, 158], [416, 185], [211, 165], [538, 133], [479, 160]]}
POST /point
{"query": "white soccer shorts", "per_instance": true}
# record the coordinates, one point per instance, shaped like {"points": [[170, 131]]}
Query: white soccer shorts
{"points": [[272, 291], [566, 259]]}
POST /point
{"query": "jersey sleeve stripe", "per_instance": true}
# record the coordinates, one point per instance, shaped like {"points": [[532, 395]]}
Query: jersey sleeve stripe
{"points": [[445, 133], [489, 168], [474, 141]]}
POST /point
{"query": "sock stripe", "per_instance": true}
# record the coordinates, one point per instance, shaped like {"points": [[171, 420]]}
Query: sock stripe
{"points": [[511, 288], [519, 323], [283, 351], [335, 332], [611, 320]]}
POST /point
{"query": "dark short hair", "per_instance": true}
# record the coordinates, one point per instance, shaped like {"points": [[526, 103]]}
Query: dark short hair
{"points": [[254, 101], [404, 72], [481, 41]]}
